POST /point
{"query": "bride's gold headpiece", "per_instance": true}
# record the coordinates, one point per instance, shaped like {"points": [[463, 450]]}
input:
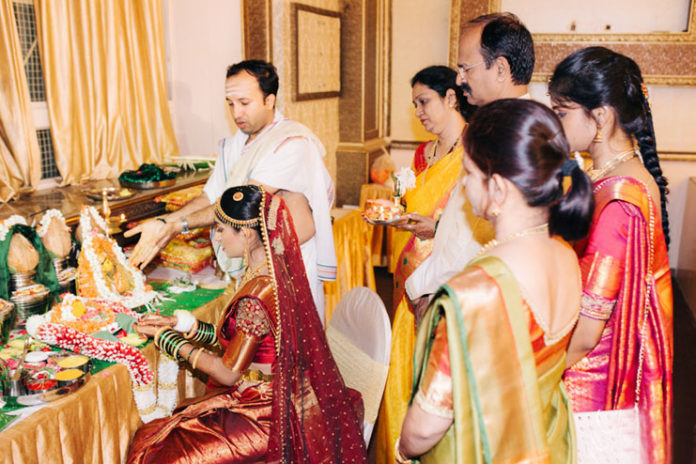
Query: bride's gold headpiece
{"points": [[223, 217]]}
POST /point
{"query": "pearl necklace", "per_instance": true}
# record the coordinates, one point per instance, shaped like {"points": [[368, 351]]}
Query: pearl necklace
{"points": [[596, 174], [536, 230]]}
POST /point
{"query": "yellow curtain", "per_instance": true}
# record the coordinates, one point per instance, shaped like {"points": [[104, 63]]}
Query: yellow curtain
{"points": [[20, 157], [106, 89]]}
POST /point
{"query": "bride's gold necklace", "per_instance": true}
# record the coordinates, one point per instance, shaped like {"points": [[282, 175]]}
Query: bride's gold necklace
{"points": [[248, 275], [536, 230], [596, 174]]}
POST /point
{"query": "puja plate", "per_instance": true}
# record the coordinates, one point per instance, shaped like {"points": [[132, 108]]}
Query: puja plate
{"points": [[386, 222], [148, 185], [112, 193], [64, 388]]}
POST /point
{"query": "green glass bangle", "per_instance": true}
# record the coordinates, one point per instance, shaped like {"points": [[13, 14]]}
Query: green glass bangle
{"points": [[188, 358]]}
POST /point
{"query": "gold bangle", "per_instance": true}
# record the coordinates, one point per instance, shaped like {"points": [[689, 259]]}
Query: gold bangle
{"points": [[158, 333], [398, 455], [193, 330], [195, 358]]}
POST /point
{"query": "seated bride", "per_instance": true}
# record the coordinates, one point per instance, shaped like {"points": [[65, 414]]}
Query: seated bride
{"points": [[275, 394]]}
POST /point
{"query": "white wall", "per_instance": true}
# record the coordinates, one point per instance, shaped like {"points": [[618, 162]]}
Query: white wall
{"points": [[205, 37], [420, 38]]}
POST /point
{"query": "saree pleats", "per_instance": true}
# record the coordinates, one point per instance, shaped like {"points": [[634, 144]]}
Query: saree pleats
{"points": [[221, 427], [504, 409], [433, 188]]}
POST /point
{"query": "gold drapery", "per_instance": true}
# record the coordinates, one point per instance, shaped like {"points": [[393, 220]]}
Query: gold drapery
{"points": [[20, 157], [105, 77]]}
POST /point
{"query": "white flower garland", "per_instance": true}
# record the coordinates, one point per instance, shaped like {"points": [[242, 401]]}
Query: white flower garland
{"points": [[7, 224], [46, 220], [89, 212]]}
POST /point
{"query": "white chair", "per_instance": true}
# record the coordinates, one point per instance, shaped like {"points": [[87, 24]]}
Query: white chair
{"points": [[359, 335]]}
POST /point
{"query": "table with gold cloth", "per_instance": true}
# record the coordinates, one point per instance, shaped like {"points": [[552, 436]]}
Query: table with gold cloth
{"points": [[353, 241], [96, 423]]}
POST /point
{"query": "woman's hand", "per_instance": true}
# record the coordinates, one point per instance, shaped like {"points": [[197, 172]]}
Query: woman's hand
{"points": [[422, 227], [159, 320], [146, 330]]}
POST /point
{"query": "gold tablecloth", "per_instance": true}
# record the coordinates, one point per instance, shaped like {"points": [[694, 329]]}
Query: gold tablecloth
{"points": [[96, 423], [352, 238]]}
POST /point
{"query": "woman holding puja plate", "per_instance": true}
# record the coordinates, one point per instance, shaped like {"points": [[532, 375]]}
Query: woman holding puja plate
{"points": [[439, 105], [275, 394]]}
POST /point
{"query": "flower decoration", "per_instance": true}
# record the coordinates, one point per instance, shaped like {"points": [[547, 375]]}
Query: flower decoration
{"points": [[8, 223], [46, 220], [404, 179]]}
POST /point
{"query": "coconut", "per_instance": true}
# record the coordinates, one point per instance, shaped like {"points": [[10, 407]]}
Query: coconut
{"points": [[22, 256], [56, 238]]}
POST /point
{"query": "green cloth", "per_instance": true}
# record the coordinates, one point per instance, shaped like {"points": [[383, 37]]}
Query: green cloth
{"points": [[146, 173]]}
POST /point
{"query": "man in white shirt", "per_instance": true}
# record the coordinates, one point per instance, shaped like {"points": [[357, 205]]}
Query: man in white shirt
{"points": [[279, 154], [495, 61]]}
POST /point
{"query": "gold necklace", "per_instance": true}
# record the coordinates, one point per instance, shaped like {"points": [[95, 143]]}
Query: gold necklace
{"points": [[248, 275], [433, 153], [540, 229], [596, 174]]}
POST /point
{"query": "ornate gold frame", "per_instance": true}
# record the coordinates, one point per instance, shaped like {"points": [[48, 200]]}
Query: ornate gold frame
{"points": [[665, 58]]}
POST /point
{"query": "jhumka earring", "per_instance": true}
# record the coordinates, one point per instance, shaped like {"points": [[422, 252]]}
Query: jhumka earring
{"points": [[495, 212], [598, 138], [245, 258]]}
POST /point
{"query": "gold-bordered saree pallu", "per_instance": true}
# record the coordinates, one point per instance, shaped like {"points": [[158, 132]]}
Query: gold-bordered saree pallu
{"points": [[504, 410], [433, 188], [606, 377]]}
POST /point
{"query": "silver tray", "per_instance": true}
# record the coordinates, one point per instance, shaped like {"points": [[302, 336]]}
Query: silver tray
{"points": [[148, 185]]}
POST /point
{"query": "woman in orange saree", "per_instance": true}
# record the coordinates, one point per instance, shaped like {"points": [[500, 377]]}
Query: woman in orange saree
{"points": [[627, 293], [275, 395], [490, 352], [437, 165]]}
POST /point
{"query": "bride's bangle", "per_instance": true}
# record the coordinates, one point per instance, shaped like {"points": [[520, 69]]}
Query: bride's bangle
{"points": [[398, 455]]}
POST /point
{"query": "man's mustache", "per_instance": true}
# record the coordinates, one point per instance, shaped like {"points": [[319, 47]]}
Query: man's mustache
{"points": [[465, 88]]}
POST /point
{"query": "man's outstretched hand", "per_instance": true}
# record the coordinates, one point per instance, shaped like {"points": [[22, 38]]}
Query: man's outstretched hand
{"points": [[154, 235]]}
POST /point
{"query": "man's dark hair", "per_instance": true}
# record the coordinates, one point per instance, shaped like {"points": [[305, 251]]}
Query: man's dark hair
{"points": [[503, 34], [264, 72]]}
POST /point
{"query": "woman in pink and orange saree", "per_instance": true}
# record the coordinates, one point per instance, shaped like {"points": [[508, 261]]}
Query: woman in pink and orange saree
{"points": [[627, 294], [491, 349], [275, 394]]}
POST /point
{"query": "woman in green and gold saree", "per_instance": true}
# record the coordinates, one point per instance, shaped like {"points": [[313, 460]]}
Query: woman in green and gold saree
{"points": [[490, 352]]}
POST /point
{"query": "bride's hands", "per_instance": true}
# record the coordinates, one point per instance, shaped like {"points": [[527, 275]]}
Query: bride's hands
{"points": [[158, 320], [151, 323]]}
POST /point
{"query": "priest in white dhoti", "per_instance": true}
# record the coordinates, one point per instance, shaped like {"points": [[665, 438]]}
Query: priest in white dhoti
{"points": [[281, 155]]}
